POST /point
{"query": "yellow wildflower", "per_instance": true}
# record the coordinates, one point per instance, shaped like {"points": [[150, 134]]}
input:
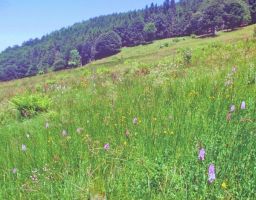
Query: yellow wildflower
{"points": [[50, 140], [224, 185]]}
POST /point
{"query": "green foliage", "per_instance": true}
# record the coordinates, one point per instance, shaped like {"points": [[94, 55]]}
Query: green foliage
{"points": [[215, 15], [193, 36], [166, 44], [6, 114], [251, 75], [132, 34], [86, 52], [236, 14], [252, 7], [187, 56], [212, 17], [74, 59], [176, 40], [150, 30], [107, 44], [30, 105], [41, 72], [59, 61], [162, 26]]}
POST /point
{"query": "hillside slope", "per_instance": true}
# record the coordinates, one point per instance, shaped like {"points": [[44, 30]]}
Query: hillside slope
{"points": [[104, 36], [131, 126]]}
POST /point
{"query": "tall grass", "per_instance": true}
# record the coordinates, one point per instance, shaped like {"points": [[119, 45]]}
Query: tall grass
{"points": [[178, 109]]}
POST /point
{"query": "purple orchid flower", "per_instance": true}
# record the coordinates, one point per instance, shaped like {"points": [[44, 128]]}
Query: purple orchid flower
{"points": [[201, 155], [211, 173]]}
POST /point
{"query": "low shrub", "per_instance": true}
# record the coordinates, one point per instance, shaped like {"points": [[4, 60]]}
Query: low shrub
{"points": [[193, 36], [176, 40], [187, 56], [30, 105]]}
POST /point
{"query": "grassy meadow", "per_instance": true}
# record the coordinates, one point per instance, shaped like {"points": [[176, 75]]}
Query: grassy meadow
{"points": [[131, 126]]}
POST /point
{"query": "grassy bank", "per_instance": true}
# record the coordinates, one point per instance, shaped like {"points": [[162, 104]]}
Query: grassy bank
{"points": [[155, 106]]}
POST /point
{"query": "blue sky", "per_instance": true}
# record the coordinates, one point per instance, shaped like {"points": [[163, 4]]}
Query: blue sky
{"points": [[21, 20]]}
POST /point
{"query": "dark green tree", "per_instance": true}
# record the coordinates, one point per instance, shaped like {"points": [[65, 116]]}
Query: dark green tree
{"points": [[152, 8], [196, 23], [107, 44], [59, 61], [146, 14], [173, 6], [136, 32], [252, 7], [150, 30], [162, 26], [212, 17], [132, 34], [86, 52], [236, 13], [166, 6]]}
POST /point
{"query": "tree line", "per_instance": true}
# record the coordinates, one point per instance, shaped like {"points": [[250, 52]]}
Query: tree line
{"points": [[105, 35]]}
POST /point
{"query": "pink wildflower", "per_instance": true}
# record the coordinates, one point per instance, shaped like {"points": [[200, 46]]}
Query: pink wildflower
{"points": [[106, 146], [201, 154], [243, 106], [211, 173]]}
